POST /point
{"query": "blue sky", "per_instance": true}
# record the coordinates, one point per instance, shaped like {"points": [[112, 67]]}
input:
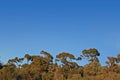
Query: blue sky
{"points": [[59, 26]]}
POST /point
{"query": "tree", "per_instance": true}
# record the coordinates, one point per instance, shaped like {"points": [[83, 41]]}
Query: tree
{"points": [[65, 57], [90, 54], [47, 56], [111, 61], [68, 66], [28, 57], [44, 68], [16, 61], [92, 69], [112, 64]]}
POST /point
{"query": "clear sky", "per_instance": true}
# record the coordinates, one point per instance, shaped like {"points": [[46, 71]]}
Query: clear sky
{"points": [[29, 26]]}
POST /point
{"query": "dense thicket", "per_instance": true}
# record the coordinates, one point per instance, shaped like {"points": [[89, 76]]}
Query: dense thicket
{"points": [[63, 67]]}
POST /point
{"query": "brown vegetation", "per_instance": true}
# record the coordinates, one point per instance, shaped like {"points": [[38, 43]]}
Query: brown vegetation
{"points": [[64, 67]]}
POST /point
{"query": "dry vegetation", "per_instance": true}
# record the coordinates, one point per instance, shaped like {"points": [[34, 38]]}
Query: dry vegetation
{"points": [[36, 67]]}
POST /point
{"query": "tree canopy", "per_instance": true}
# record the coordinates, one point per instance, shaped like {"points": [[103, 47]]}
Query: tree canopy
{"points": [[63, 67]]}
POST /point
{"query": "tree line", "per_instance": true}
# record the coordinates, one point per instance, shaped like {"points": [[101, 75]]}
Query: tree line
{"points": [[63, 67]]}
